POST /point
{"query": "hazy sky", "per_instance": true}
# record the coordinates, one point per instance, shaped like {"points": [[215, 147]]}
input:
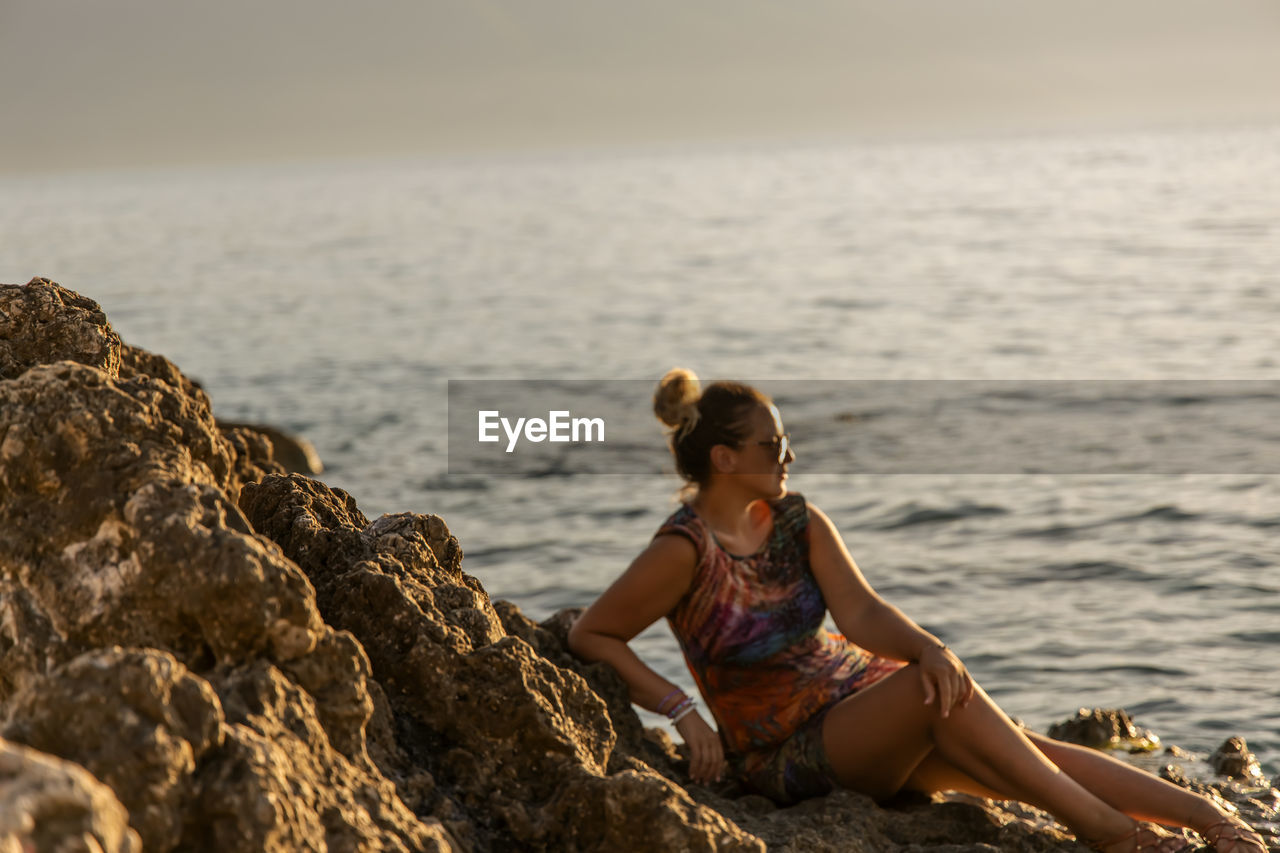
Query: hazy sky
{"points": [[85, 83]]}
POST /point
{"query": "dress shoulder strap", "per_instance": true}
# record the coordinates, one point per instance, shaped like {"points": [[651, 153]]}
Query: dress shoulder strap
{"points": [[792, 519], [685, 523]]}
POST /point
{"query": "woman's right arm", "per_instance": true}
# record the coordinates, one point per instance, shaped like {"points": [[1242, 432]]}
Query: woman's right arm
{"points": [[648, 590]]}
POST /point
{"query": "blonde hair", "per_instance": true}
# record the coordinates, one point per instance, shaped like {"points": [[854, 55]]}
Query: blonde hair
{"points": [[676, 400], [700, 419]]}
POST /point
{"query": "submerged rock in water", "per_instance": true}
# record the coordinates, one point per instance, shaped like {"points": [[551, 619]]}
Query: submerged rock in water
{"points": [[246, 662], [293, 452], [1234, 760], [1110, 728]]}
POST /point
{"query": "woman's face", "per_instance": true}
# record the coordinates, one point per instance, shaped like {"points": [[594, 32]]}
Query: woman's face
{"points": [[766, 452]]}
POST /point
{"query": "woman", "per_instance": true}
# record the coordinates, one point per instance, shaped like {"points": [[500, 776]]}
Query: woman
{"points": [[745, 571]]}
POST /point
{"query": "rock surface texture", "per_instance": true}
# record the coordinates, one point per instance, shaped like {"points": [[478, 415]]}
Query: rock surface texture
{"points": [[200, 652]]}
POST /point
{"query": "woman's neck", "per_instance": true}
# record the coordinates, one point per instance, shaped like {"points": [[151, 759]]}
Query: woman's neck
{"points": [[733, 513]]}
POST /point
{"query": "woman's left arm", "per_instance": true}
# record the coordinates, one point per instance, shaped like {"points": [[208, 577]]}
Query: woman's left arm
{"points": [[867, 620]]}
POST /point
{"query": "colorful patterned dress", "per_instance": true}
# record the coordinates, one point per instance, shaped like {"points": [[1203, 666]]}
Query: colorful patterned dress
{"points": [[751, 628]]}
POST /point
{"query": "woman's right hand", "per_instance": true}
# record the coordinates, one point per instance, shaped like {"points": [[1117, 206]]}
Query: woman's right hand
{"points": [[945, 679], [706, 753]]}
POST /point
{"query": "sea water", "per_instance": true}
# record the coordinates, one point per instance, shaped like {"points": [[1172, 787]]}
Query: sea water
{"points": [[336, 300]]}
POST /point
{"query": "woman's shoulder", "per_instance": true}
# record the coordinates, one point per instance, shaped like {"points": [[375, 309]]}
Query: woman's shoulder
{"points": [[792, 503], [683, 520], [790, 499], [682, 514], [791, 513]]}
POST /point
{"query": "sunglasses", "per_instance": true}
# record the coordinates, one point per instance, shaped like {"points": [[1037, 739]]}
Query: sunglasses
{"points": [[780, 444]]}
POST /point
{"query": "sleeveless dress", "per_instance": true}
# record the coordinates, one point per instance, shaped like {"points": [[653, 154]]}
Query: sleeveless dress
{"points": [[751, 629]]}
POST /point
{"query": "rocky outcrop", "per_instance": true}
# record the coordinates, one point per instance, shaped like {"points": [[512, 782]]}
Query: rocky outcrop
{"points": [[138, 720], [149, 635], [231, 658], [54, 805], [1230, 775], [1110, 728], [482, 720], [1234, 761], [293, 453], [42, 323]]}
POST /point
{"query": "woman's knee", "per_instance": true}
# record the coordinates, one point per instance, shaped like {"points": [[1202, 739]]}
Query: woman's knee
{"points": [[905, 690]]}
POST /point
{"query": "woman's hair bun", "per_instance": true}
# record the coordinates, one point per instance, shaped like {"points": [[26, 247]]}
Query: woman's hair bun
{"points": [[676, 400]]}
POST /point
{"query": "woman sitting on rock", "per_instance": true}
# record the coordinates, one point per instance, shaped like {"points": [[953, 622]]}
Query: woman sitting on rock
{"points": [[745, 572]]}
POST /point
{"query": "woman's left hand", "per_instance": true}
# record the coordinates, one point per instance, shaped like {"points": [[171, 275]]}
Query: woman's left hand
{"points": [[945, 679], [706, 753]]}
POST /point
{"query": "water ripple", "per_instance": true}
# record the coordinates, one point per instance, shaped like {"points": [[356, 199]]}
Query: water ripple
{"points": [[912, 514]]}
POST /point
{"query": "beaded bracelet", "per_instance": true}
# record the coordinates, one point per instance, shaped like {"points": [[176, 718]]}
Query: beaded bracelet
{"points": [[686, 712], [676, 692], [680, 707]]}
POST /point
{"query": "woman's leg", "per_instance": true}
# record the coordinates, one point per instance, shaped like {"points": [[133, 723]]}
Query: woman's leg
{"points": [[1135, 792], [937, 774], [878, 737]]}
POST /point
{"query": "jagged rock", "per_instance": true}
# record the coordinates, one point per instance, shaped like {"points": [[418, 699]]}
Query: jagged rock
{"points": [[293, 453], [136, 719], [636, 809], [1234, 760], [276, 783], [267, 776], [28, 645], [497, 725], [77, 443], [47, 804], [1111, 728], [165, 563], [652, 746], [254, 453], [120, 528], [135, 362], [41, 323]]}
